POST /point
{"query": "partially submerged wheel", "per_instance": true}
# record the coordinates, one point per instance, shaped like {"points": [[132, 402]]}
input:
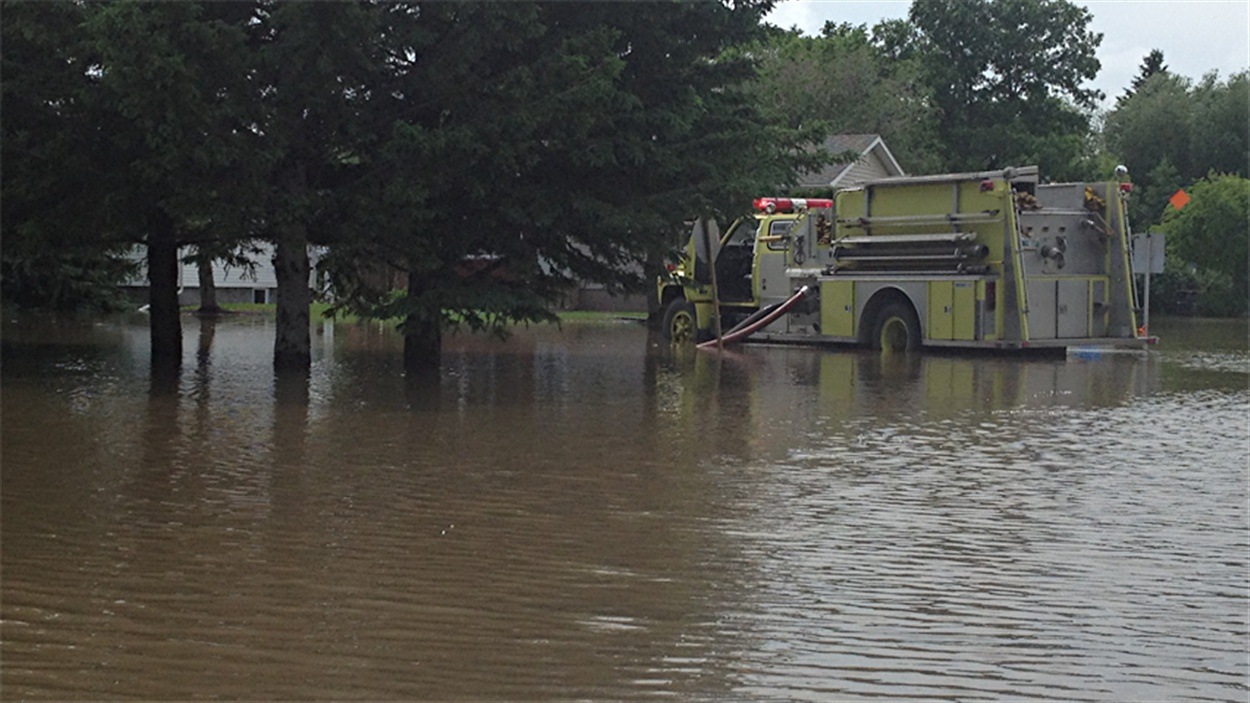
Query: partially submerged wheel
{"points": [[681, 325], [896, 328]]}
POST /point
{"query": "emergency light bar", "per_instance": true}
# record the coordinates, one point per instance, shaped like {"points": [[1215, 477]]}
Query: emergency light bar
{"points": [[771, 205]]}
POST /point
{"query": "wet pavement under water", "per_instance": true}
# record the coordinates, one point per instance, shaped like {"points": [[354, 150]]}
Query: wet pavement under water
{"points": [[587, 513]]}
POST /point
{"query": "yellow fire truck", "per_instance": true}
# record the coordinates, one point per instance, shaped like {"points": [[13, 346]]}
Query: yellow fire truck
{"points": [[976, 260]]}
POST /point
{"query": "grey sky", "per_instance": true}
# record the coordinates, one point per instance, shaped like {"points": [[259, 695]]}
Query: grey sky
{"points": [[1195, 36]]}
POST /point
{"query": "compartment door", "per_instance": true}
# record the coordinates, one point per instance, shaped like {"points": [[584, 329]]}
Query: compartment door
{"points": [[1073, 309], [837, 308], [964, 304], [1042, 309], [941, 323]]}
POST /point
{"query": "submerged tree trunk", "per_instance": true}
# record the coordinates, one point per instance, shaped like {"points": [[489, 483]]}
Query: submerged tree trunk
{"points": [[423, 334], [651, 268], [208, 288], [292, 343], [423, 344], [163, 314]]}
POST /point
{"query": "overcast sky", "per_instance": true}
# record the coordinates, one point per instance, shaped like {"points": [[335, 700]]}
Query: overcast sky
{"points": [[1195, 36]]}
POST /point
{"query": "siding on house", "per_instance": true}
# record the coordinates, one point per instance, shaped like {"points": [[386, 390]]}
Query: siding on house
{"points": [[874, 160], [869, 166]]}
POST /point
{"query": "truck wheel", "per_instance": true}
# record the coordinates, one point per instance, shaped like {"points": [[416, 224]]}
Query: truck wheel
{"points": [[896, 328], [681, 325]]}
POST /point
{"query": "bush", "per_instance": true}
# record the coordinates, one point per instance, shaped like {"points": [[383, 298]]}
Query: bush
{"points": [[1208, 248]]}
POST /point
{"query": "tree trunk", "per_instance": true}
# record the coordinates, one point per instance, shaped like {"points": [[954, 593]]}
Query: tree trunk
{"points": [[423, 335], [655, 316], [292, 343], [163, 314], [423, 345], [208, 288]]}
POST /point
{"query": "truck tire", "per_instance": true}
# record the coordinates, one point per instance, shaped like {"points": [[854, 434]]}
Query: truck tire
{"points": [[681, 324], [896, 328]]}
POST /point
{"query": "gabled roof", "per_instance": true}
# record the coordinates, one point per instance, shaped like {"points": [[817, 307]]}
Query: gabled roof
{"points": [[859, 148]]}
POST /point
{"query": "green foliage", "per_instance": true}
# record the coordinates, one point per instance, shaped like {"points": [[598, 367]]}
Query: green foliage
{"points": [[1151, 64], [1210, 240], [1185, 289], [1149, 132], [67, 281], [1192, 128], [1219, 133], [567, 153], [483, 154], [165, 104], [117, 127], [843, 82], [48, 186], [1007, 77], [1151, 193], [960, 85]]}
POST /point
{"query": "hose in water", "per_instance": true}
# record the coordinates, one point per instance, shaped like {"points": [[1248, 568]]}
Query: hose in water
{"points": [[761, 319]]}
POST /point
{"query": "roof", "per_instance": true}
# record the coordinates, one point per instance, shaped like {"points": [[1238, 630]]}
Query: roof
{"points": [[860, 148]]}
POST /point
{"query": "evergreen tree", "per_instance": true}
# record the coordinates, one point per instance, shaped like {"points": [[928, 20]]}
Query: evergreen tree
{"points": [[567, 154], [53, 255], [120, 135], [485, 155], [1152, 64]]}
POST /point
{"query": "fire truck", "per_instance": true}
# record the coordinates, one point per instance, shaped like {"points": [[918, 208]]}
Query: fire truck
{"points": [[986, 260]]}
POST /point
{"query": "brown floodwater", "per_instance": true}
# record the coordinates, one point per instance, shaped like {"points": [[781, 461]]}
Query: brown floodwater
{"points": [[587, 513]]}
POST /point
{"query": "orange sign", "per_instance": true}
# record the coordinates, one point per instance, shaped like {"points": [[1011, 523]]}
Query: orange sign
{"points": [[1179, 199]]}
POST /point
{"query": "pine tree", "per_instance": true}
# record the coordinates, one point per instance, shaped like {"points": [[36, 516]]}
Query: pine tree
{"points": [[1151, 64]]}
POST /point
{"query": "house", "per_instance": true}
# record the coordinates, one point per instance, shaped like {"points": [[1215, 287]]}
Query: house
{"points": [[234, 284], [859, 157]]}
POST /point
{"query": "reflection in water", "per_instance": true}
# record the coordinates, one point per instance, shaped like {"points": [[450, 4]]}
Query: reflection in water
{"points": [[591, 514]]}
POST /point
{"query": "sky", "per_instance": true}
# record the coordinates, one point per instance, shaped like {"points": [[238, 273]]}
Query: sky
{"points": [[1195, 36]]}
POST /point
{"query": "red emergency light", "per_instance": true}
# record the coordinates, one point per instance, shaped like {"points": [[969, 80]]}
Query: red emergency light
{"points": [[771, 205]]}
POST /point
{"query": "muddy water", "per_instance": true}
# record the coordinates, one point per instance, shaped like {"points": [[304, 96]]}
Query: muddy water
{"points": [[586, 514]]}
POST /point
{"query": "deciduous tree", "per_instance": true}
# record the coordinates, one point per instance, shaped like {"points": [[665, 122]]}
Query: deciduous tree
{"points": [[845, 82], [1009, 79], [1211, 233], [1192, 128]]}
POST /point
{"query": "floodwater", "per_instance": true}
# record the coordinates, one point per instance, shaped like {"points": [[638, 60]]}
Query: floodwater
{"points": [[588, 514]]}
